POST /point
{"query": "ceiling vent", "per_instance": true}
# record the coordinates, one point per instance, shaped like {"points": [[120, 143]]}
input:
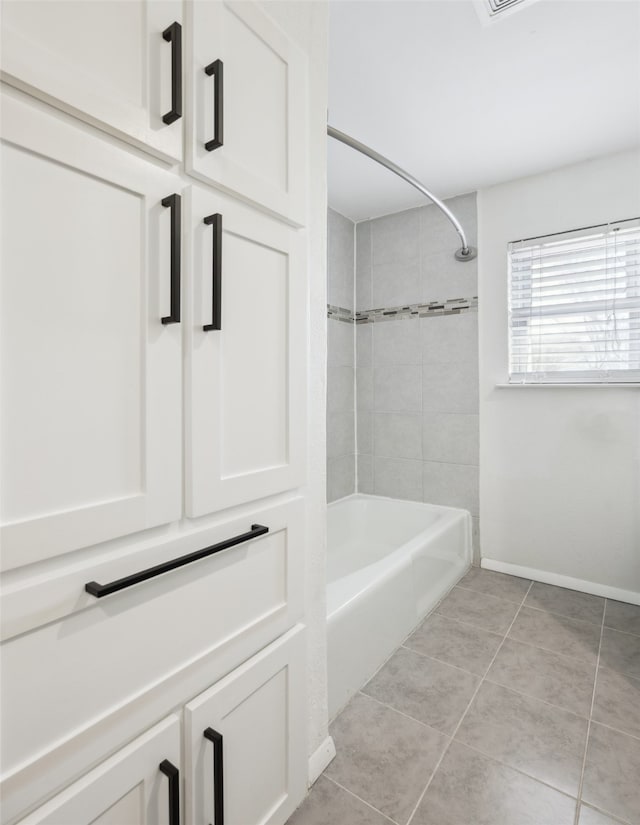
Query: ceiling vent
{"points": [[497, 6], [489, 10]]}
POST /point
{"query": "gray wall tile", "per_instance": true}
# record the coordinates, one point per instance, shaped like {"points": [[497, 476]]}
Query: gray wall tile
{"points": [[397, 435], [364, 345], [397, 389], [396, 238], [364, 388], [365, 432], [397, 478], [420, 377], [340, 389], [340, 344], [441, 276], [365, 474], [448, 338], [450, 388], [455, 485], [340, 260], [475, 540], [364, 295], [451, 437], [395, 284], [396, 342], [340, 434], [341, 477]]}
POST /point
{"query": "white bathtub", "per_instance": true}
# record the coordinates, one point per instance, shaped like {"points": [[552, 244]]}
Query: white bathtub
{"points": [[388, 564]]}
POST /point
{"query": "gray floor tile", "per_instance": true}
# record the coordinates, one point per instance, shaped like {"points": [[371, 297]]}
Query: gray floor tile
{"points": [[429, 691], [471, 789], [611, 773], [568, 603], [621, 652], [509, 588], [570, 637], [567, 683], [327, 804], [589, 816], [455, 643], [542, 741], [383, 757], [482, 611], [617, 701], [622, 616]]}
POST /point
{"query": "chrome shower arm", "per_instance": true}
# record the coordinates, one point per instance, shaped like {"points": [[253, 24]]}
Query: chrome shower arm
{"points": [[466, 252]]}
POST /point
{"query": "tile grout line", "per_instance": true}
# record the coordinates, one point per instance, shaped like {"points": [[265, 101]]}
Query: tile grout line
{"points": [[406, 715], [553, 652], [360, 799], [440, 661], [517, 770], [615, 819], [475, 693], [576, 820]]}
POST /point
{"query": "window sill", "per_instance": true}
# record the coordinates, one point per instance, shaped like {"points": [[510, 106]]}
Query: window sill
{"points": [[595, 386]]}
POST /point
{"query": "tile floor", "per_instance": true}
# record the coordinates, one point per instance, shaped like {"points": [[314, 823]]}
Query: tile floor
{"points": [[490, 713]]}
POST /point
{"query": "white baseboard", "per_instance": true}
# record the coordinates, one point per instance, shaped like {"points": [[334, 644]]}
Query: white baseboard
{"points": [[320, 758], [558, 579]]}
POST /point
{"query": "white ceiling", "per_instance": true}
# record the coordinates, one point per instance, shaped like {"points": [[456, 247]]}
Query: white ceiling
{"points": [[462, 105]]}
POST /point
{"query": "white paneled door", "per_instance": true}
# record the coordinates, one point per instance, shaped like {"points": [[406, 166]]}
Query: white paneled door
{"points": [[139, 785], [247, 92], [115, 64], [245, 355], [90, 375], [245, 747]]}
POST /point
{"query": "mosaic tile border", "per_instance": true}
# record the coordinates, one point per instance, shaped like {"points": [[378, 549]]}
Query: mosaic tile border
{"points": [[452, 306]]}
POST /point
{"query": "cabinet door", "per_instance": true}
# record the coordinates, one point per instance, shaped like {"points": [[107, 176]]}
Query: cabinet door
{"points": [[247, 91], [139, 785], [102, 60], [246, 380], [245, 754], [90, 376]]}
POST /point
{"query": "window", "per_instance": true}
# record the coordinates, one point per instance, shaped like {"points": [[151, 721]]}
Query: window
{"points": [[574, 306]]}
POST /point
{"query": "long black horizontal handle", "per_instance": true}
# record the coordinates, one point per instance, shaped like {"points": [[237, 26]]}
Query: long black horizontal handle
{"points": [[173, 35], [218, 774], [216, 273], [216, 69], [174, 203], [173, 775], [100, 590]]}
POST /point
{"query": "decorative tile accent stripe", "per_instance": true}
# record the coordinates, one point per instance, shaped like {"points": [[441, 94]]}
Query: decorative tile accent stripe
{"points": [[452, 306], [340, 314]]}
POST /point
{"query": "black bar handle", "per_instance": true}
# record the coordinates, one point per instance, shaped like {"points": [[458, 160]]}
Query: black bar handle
{"points": [[173, 202], [173, 775], [173, 35], [216, 272], [218, 774], [100, 590], [217, 70]]}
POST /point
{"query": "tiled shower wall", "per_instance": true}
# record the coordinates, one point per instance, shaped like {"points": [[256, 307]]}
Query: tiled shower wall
{"points": [[341, 458], [417, 377]]}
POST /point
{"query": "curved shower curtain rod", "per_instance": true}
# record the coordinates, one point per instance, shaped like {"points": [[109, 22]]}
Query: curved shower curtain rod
{"points": [[466, 252]]}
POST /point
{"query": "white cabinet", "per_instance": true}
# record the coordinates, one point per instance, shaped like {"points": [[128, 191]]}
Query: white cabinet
{"points": [[245, 383], [104, 61], [139, 785], [247, 90], [90, 376], [245, 753]]}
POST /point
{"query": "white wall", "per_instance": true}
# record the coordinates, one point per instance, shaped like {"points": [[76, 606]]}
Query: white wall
{"points": [[559, 467]]}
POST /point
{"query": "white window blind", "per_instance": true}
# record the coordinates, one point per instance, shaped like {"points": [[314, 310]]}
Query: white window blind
{"points": [[574, 306]]}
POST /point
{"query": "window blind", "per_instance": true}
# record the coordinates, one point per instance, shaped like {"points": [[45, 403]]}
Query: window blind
{"points": [[574, 306]]}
